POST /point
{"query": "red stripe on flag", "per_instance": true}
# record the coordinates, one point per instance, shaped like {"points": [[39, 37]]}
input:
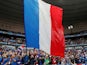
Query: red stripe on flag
{"points": [[57, 32]]}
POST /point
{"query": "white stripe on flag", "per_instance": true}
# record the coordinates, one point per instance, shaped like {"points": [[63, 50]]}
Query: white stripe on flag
{"points": [[44, 26]]}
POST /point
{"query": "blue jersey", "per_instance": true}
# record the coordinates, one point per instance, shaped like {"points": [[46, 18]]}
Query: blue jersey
{"points": [[14, 61], [5, 61]]}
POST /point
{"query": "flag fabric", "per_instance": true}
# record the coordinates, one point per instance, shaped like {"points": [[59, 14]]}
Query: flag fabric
{"points": [[43, 27]]}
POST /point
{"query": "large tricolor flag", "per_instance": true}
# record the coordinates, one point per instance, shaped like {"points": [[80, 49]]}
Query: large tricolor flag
{"points": [[43, 27]]}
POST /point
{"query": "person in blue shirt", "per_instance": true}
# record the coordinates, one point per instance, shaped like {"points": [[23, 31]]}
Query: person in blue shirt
{"points": [[41, 60], [1, 59], [85, 60], [25, 59], [5, 60], [14, 60]]}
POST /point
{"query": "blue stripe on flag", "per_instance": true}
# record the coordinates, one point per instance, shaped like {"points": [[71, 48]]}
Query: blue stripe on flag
{"points": [[31, 20]]}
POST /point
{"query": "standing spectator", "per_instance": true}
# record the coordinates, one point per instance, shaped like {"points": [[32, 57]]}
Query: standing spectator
{"points": [[41, 60], [14, 60], [32, 60], [1, 59], [47, 60]]}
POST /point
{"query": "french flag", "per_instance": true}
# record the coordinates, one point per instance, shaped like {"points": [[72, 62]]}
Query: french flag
{"points": [[43, 27]]}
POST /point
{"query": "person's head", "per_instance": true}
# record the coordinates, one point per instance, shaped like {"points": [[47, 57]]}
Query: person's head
{"points": [[40, 57], [5, 55], [46, 56], [32, 56], [0, 55]]}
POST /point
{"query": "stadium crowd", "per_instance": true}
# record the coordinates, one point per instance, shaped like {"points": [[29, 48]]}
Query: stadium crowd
{"points": [[11, 40], [76, 41], [18, 56], [14, 40], [38, 57]]}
